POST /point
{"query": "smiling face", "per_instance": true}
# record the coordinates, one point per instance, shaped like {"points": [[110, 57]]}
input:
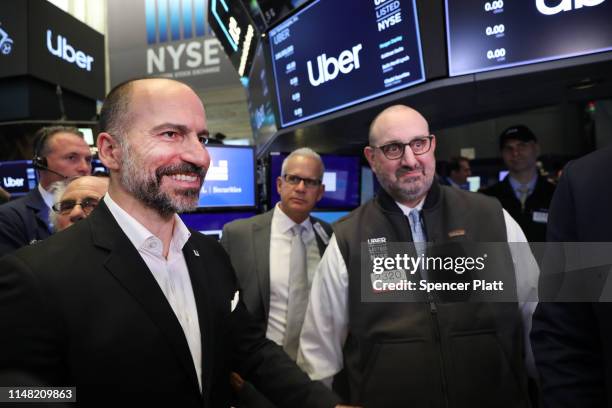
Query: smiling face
{"points": [[163, 161], [409, 178]]}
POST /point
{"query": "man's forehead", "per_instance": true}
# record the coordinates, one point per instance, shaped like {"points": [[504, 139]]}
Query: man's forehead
{"points": [[65, 141], [400, 127], [90, 183]]}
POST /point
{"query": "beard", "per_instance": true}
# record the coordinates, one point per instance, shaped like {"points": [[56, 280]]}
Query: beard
{"points": [[147, 187], [406, 189]]}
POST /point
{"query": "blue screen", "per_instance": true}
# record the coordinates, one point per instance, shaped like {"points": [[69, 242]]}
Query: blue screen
{"points": [[17, 177], [329, 216], [230, 181], [333, 54], [212, 223], [487, 35], [341, 179]]}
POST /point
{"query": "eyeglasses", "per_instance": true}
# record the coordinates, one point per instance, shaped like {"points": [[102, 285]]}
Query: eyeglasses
{"points": [[295, 180], [65, 206], [395, 150]]}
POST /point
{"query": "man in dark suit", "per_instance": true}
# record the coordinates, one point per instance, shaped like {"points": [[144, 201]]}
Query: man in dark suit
{"points": [[262, 252], [572, 342], [523, 193], [60, 153], [129, 305]]}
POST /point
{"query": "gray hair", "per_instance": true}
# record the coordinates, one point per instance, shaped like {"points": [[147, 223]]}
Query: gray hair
{"points": [[303, 152], [57, 189]]}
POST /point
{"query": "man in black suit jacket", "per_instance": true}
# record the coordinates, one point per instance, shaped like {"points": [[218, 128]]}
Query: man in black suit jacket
{"points": [[260, 250], [60, 153], [129, 305], [572, 342]]}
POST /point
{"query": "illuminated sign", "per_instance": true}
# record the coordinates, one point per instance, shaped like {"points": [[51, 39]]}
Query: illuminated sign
{"points": [[6, 43], [67, 52], [235, 31]]}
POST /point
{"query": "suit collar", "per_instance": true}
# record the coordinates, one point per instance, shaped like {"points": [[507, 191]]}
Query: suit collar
{"points": [[34, 201], [129, 269]]}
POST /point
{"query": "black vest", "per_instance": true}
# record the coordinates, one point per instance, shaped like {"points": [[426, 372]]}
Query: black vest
{"points": [[431, 354]]}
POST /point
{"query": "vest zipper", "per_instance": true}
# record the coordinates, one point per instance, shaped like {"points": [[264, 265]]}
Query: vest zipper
{"points": [[437, 337]]}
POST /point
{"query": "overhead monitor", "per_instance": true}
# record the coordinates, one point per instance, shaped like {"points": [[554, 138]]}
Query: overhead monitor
{"points": [[489, 35], [333, 54], [17, 177], [260, 100], [212, 223], [341, 178], [230, 180]]}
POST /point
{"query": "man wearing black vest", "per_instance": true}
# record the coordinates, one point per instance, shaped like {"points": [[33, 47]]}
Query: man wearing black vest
{"points": [[523, 192], [428, 353]]}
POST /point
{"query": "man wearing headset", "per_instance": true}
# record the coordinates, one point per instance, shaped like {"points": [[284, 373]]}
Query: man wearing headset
{"points": [[60, 153]]}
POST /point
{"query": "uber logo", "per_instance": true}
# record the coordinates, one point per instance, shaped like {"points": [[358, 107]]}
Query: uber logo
{"points": [[345, 63], [67, 52], [13, 182], [565, 5]]}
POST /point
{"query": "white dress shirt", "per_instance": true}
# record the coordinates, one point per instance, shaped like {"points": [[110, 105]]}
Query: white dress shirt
{"points": [[326, 323], [46, 196], [171, 273], [280, 255]]}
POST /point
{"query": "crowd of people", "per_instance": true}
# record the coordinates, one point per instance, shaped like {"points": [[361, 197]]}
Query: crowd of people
{"points": [[103, 287]]}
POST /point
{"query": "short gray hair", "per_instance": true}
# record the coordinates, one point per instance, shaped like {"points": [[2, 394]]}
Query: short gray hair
{"points": [[57, 189], [303, 152]]}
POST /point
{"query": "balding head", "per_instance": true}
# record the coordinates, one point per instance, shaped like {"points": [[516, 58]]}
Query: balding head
{"points": [[79, 194]]}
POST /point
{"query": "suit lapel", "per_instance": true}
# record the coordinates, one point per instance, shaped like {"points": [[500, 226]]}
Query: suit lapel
{"points": [[261, 248], [199, 282], [36, 203], [127, 266]]}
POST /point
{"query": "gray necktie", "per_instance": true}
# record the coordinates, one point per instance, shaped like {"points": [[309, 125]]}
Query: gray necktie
{"points": [[524, 193], [298, 292], [418, 235]]}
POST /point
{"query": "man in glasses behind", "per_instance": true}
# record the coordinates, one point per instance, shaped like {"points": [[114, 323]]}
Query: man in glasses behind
{"points": [[75, 200], [275, 255]]}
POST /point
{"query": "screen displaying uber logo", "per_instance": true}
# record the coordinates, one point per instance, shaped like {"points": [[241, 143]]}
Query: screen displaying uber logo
{"points": [[331, 55], [494, 34]]}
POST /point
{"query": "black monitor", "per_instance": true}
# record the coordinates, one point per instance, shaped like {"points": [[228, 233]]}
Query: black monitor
{"points": [[333, 54], [18, 177], [230, 180], [212, 223], [489, 35]]}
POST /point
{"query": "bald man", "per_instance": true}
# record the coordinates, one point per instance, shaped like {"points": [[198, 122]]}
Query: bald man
{"points": [[427, 351], [76, 200]]}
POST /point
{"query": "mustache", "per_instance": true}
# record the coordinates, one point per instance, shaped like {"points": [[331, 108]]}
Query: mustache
{"points": [[180, 168], [407, 169]]}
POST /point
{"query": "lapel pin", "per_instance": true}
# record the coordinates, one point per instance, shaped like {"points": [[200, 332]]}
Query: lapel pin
{"points": [[196, 253]]}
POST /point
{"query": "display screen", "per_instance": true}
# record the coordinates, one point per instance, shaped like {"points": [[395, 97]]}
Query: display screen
{"points": [[488, 35], [329, 216], [17, 177], [212, 223], [341, 179], [230, 180], [259, 94], [333, 54]]}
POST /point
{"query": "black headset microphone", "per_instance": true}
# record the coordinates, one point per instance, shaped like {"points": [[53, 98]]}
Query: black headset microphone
{"points": [[40, 163]]}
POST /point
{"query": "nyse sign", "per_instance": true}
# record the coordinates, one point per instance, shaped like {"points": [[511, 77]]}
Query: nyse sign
{"points": [[185, 59], [169, 38]]}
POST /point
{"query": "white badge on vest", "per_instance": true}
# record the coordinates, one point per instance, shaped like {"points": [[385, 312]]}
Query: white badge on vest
{"points": [[540, 217]]}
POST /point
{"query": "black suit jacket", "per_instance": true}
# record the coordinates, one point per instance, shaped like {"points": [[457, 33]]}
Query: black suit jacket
{"points": [[82, 308], [572, 342], [22, 221], [538, 201]]}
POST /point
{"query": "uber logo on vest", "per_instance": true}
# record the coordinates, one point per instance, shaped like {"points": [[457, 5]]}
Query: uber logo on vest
{"points": [[13, 182], [345, 63], [67, 52], [565, 5]]}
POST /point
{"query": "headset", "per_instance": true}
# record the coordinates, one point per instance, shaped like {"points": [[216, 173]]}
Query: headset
{"points": [[40, 162]]}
